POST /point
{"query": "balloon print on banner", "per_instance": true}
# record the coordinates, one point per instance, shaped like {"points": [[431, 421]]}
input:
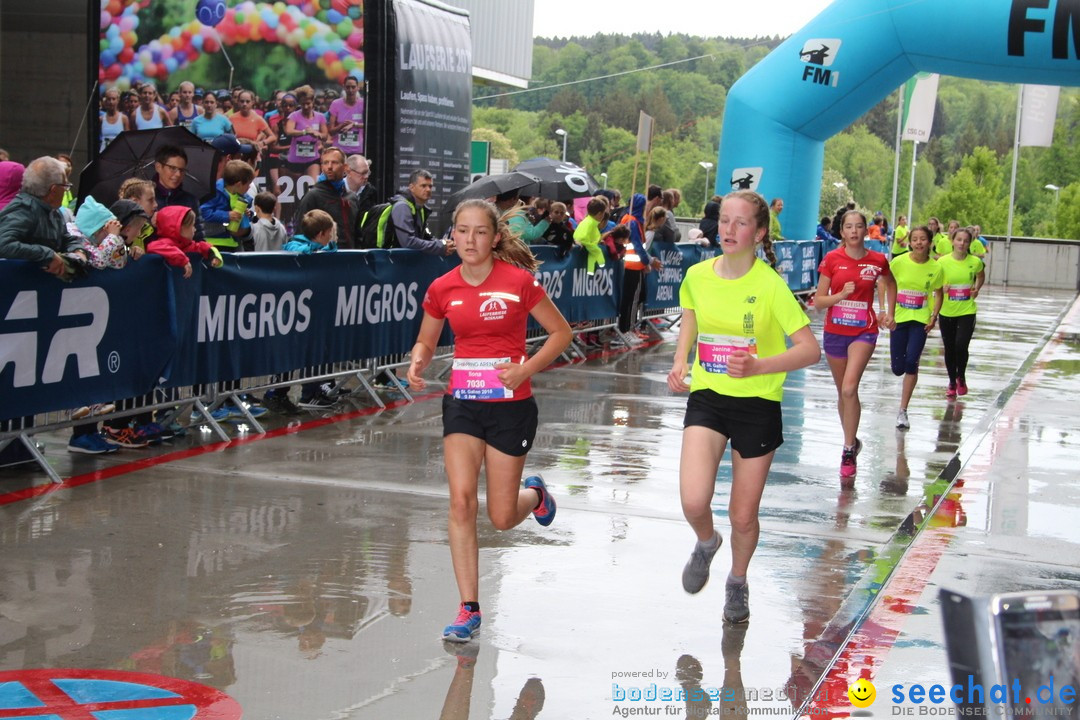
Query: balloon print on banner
{"points": [[326, 33], [210, 12]]}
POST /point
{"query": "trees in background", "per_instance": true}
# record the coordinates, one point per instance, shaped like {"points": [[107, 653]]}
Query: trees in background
{"points": [[962, 172]]}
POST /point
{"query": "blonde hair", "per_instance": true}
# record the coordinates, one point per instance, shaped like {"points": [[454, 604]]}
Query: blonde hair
{"points": [[761, 219], [510, 248], [657, 217], [134, 188]]}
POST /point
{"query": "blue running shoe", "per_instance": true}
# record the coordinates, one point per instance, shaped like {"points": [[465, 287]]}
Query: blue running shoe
{"points": [[546, 512], [220, 415], [91, 444], [464, 627], [235, 413]]}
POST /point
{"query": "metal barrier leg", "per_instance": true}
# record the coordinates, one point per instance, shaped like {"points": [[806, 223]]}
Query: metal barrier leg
{"points": [[201, 409], [259, 429], [397, 383], [42, 463], [372, 393]]}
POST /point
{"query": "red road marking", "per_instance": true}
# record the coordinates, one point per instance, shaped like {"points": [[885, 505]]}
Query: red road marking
{"points": [[135, 465]]}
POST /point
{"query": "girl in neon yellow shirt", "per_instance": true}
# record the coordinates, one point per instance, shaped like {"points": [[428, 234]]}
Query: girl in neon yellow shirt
{"points": [[964, 275], [738, 311], [918, 303]]}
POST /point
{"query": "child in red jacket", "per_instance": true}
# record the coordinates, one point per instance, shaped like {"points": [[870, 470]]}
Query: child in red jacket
{"points": [[175, 238]]}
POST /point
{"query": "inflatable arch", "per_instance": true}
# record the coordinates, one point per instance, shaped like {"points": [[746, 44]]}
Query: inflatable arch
{"points": [[853, 55]]}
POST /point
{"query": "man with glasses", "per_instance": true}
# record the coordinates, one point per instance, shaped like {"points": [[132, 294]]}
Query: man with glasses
{"points": [[170, 165], [361, 193], [31, 227]]}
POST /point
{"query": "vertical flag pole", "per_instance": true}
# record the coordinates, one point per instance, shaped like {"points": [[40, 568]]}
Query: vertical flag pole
{"points": [[911, 189], [896, 163], [1012, 183]]}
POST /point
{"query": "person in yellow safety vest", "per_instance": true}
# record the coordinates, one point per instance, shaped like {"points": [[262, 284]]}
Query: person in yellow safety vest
{"points": [[225, 216]]}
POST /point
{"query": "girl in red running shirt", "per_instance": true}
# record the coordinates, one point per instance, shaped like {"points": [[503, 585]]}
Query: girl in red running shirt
{"points": [[489, 415], [849, 276]]}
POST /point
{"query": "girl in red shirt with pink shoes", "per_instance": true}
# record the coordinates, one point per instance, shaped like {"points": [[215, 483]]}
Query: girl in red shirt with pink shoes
{"points": [[849, 276], [489, 415]]}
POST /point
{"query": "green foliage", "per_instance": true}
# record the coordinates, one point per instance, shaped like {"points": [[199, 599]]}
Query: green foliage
{"points": [[866, 162], [962, 172], [500, 144], [834, 192], [1067, 212]]}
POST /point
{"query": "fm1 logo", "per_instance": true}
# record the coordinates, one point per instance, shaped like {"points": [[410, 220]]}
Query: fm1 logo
{"points": [[1066, 18], [819, 54]]}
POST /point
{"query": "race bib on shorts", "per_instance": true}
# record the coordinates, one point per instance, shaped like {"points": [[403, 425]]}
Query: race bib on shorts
{"points": [[958, 293], [477, 379], [911, 299], [305, 148], [714, 350], [851, 313], [349, 138]]}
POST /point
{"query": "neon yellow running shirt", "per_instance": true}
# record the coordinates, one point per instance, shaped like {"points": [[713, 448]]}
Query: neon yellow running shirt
{"points": [[754, 313], [915, 286], [959, 284]]}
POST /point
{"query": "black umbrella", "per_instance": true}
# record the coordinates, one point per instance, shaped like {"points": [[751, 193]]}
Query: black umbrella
{"points": [[486, 187], [559, 180], [131, 154]]}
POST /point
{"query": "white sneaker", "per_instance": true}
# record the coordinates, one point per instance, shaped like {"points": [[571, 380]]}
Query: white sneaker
{"points": [[902, 421]]}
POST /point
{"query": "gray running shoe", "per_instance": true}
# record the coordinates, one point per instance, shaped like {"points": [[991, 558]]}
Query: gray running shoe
{"points": [[902, 420], [696, 572], [737, 605]]}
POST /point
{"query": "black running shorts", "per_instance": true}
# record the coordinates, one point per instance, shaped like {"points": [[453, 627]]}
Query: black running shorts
{"points": [[753, 425], [509, 427]]}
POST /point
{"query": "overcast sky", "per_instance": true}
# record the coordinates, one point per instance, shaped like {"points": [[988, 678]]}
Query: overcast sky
{"points": [[734, 18]]}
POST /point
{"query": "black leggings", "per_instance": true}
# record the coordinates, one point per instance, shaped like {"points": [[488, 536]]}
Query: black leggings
{"points": [[957, 332], [632, 281]]}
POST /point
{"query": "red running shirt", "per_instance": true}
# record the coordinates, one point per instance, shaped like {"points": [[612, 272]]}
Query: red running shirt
{"points": [[489, 322], [856, 314]]}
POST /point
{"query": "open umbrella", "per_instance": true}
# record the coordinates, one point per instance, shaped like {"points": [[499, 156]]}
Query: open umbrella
{"points": [[131, 154], [485, 187], [559, 180]]}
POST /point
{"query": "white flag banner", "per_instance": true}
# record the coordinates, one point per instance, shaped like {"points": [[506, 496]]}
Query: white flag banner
{"points": [[920, 95], [644, 132], [1038, 115]]}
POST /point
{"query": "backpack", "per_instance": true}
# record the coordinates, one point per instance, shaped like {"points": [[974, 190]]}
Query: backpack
{"points": [[372, 228]]}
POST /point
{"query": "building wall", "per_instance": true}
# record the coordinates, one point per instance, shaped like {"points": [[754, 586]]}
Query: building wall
{"points": [[43, 86], [502, 35]]}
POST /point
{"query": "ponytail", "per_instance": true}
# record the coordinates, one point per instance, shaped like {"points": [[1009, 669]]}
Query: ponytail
{"points": [[766, 246], [512, 249]]}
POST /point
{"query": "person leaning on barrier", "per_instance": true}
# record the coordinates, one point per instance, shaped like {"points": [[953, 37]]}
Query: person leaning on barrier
{"points": [[31, 227], [228, 225], [409, 217]]}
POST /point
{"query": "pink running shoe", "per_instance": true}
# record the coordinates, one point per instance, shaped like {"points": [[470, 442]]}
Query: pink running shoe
{"points": [[848, 465], [961, 387], [950, 393]]}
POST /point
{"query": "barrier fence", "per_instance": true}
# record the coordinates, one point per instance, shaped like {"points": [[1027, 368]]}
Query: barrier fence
{"points": [[263, 320]]}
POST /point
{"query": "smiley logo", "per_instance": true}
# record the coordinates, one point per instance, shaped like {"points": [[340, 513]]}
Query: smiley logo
{"points": [[862, 693]]}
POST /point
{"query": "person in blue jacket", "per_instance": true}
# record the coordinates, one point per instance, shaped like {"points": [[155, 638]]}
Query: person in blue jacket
{"points": [[318, 233], [226, 221]]}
